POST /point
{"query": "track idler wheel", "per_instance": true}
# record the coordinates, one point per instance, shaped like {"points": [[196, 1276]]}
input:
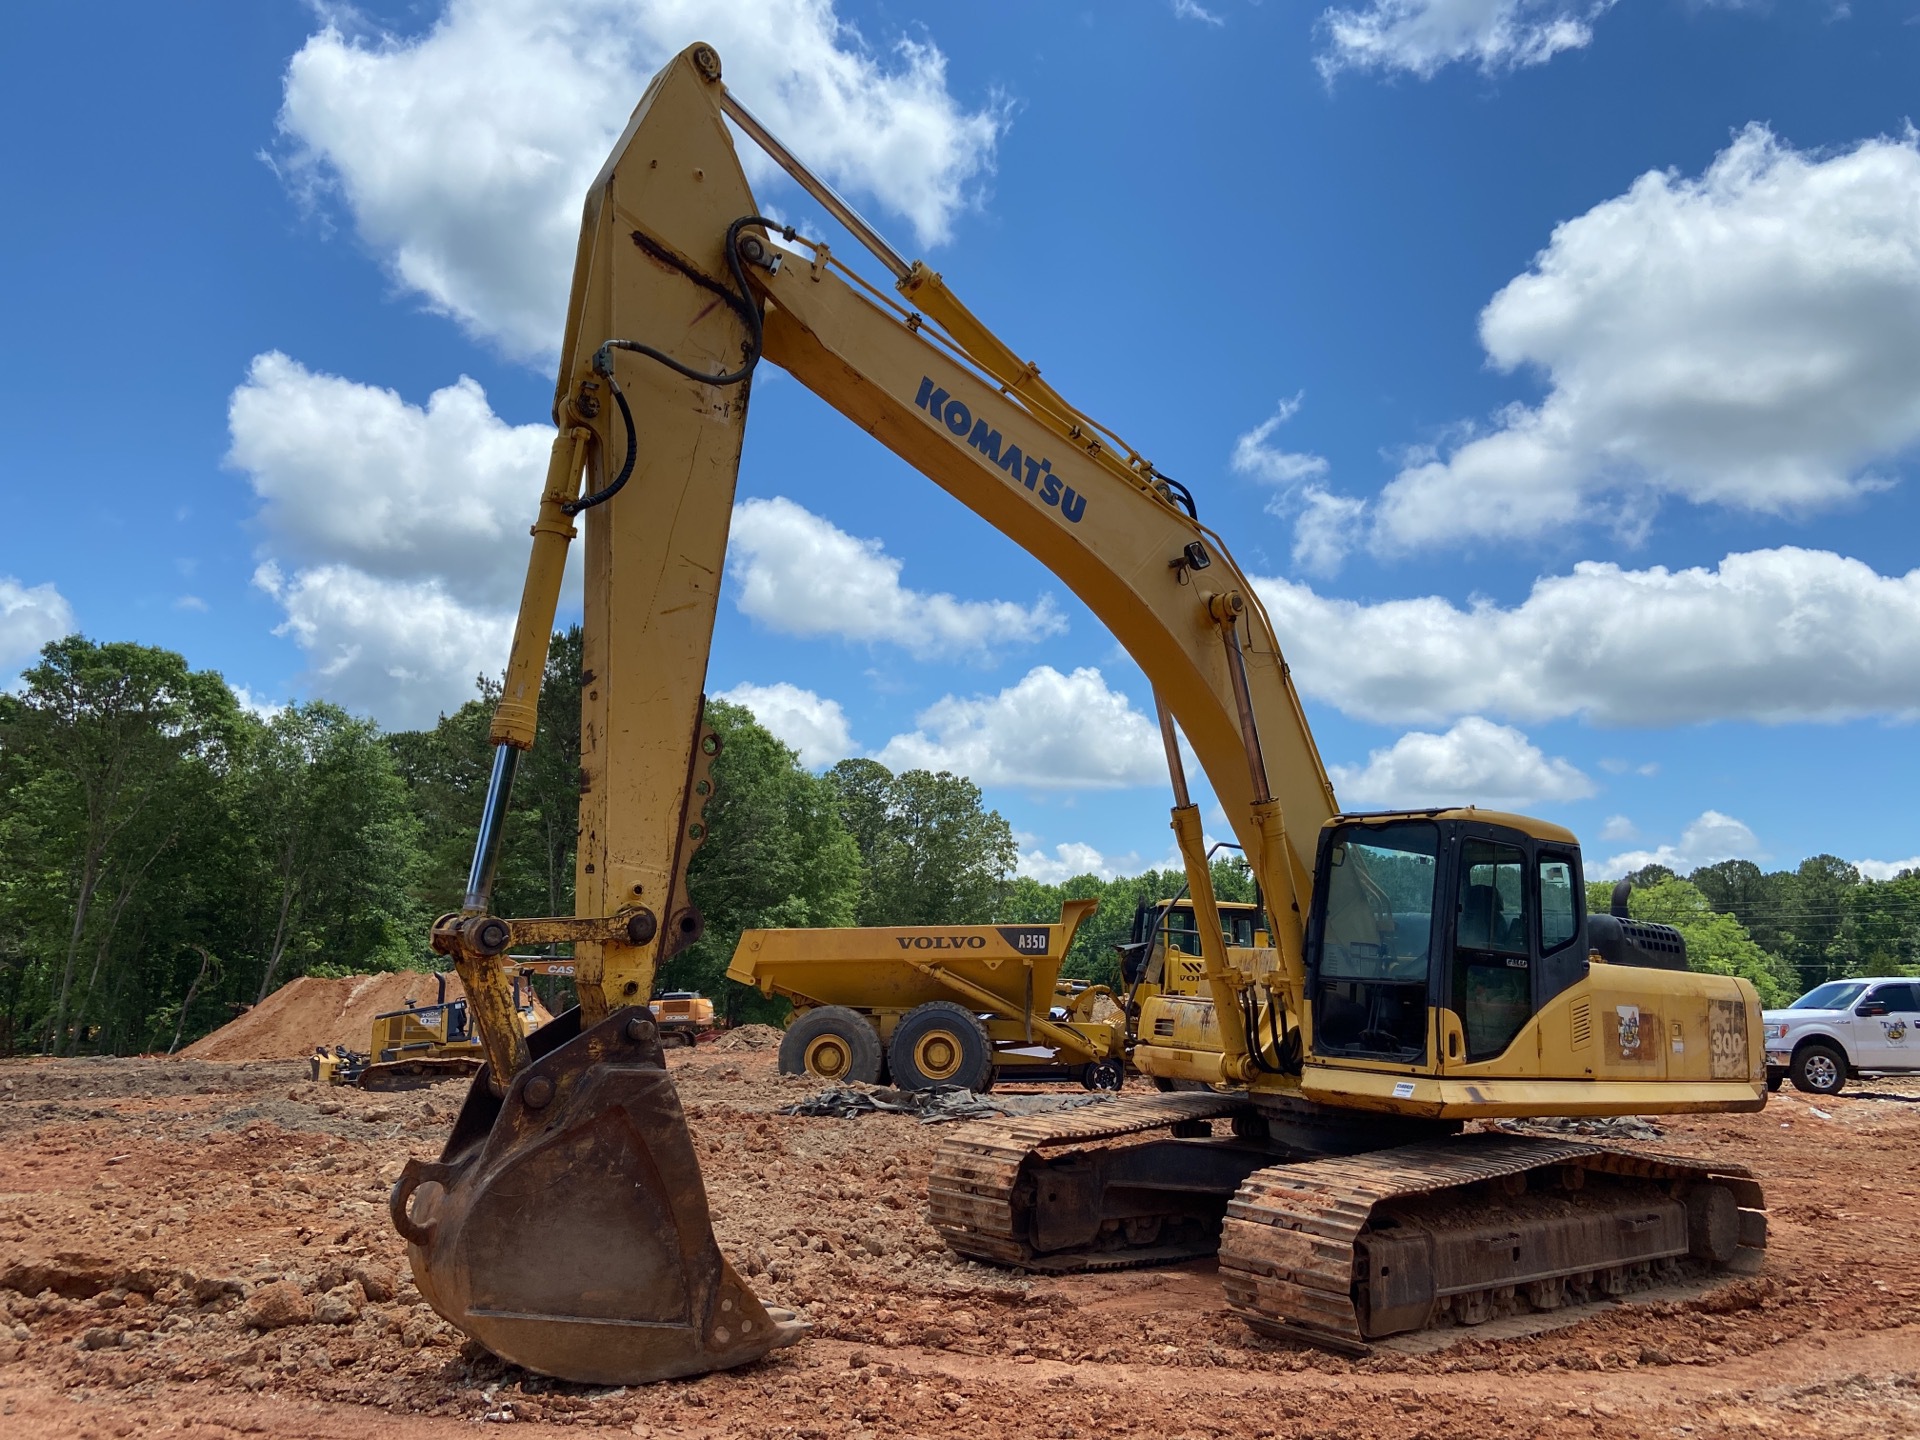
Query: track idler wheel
{"points": [[565, 1226]]}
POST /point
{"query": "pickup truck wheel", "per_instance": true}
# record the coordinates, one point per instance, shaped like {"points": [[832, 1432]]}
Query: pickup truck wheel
{"points": [[832, 1043], [1819, 1069], [940, 1043]]}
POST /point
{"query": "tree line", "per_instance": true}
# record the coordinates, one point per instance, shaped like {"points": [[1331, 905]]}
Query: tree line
{"points": [[168, 858], [1822, 920]]}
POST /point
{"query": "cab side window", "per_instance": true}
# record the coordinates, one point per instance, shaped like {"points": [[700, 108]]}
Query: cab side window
{"points": [[1492, 913], [1558, 922]]}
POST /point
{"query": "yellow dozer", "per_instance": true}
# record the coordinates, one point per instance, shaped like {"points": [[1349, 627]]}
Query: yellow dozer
{"points": [[419, 1044], [1423, 969]]}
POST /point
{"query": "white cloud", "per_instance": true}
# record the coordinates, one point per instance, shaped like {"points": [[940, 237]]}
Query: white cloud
{"points": [[1616, 766], [814, 726], [1747, 339], [802, 575], [1767, 635], [403, 651], [256, 705], [463, 153], [1475, 763], [1710, 838], [1619, 828], [1189, 10], [373, 505], [1253, 454], [1325, 529], [1325, 525], [1047, 732], [404, 526], [352, 474], [1072, 858], [1886, 869], [191, 603], [1422, 36], [30, 617]]}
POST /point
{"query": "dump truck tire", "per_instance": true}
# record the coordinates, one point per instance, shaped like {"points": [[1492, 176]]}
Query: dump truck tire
{"points": [[940, 1043], [832, 1043]]}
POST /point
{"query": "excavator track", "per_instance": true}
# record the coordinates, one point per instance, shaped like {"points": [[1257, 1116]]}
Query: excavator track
{"points": [[982, 1192], [1340, 1251], [1343, 1251]]}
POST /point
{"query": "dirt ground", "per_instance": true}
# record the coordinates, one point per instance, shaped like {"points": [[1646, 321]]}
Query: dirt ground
{"points": [[197, 1247]]}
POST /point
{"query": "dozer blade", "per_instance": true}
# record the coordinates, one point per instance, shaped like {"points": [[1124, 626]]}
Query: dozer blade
{"points": [[565, 1225]]}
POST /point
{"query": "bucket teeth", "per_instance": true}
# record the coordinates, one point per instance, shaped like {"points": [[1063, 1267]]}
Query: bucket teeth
{"points": [[565, 1226]]}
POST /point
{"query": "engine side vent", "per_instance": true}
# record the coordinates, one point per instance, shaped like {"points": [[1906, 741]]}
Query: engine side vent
{"points": [[1163, 1027], [1582, 1024]]}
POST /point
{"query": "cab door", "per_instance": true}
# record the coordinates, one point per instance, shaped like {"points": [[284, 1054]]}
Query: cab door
{"points": [[1490, 985]]}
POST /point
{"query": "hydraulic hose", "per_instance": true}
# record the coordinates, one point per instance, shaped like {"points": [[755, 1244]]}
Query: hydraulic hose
{"points": [[742, 304]]}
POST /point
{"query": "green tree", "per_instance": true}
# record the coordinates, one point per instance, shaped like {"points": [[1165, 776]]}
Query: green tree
{"points": [[1811, 903], [108, 744], [933, 854], [338, 845], [776, 854], [1880, 926], [446, 771]]}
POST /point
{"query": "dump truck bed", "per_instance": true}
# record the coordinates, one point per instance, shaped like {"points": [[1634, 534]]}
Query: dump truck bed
{"points": [[897, 967]]}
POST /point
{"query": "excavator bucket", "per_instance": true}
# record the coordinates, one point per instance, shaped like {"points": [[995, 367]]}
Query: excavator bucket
{"points": [[565, 1225]]}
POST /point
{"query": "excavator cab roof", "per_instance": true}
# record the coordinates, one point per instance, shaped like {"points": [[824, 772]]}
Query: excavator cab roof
{"points": [[1473, 814]]}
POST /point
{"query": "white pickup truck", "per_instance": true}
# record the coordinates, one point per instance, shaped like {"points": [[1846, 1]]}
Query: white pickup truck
{"points": [[1843, 1028]]}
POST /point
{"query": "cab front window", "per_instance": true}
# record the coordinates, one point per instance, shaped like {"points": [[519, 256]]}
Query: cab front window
{"points": [[1376, 939]]}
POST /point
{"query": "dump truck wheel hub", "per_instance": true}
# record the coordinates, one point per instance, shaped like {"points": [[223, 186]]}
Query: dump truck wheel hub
{"points": [[829, 1058], [938, 1055]]}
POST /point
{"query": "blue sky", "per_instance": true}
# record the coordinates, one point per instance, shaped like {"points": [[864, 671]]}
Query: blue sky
{"points": [[1556, 365]]}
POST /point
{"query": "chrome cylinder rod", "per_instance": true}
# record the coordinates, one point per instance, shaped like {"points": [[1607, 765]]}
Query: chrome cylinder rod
{"points": [[493, 827], [1243, 702], [816, 187], [1176, 768]]}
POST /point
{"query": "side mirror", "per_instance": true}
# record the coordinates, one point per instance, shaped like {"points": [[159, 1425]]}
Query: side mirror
{"points": [[1871, 1008]]}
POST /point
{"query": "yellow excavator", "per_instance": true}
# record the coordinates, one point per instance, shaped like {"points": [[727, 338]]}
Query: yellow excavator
{"points": [[1421, 970]]}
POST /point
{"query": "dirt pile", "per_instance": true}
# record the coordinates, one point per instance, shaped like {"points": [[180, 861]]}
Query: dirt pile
{"points": [[749, 1037], [307, 1012]]}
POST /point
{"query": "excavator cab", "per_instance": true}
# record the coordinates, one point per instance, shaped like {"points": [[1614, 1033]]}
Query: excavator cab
{"points": [[1481, 919]]}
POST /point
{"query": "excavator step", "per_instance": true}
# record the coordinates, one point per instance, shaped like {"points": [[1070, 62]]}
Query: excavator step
{"points": [[1344, 1251]]}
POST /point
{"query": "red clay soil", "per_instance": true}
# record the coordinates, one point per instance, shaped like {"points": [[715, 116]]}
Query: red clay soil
{"points": [[203, 1250], [307, 1012]]}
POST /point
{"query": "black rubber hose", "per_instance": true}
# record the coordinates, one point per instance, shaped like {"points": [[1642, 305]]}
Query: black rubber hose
{"points": [[741, 301], [1179, 493]]}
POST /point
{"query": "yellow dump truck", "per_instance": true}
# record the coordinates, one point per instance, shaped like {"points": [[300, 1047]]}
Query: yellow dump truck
{"points": [[938, 1005]]}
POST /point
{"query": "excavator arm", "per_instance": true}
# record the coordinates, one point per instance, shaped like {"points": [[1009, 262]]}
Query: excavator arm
{"points": [[574, 1135]]}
